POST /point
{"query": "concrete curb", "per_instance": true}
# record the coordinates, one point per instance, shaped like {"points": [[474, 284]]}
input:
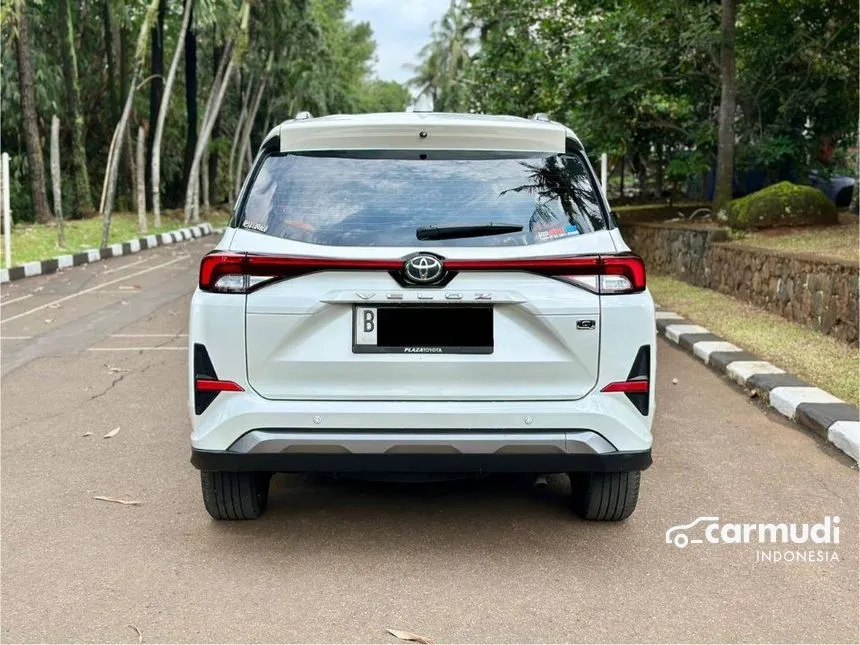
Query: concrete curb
{"points": [[53, 265], [808, 406]]}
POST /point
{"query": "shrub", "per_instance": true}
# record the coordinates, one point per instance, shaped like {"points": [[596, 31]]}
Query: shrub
{"points": [[782, 204]]}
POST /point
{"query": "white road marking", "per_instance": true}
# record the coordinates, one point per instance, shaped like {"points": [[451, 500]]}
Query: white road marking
{"points": [[136, 349], [9, 302], [15, 337], [149, 335], [95, 288]]}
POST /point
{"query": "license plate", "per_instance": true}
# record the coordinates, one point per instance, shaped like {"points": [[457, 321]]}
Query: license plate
{"points": [[406, 329]]}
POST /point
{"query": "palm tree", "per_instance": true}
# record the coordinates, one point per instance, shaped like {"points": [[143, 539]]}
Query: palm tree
{"points": [[445, 60]]}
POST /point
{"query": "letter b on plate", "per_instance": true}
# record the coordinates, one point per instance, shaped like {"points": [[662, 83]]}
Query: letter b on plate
{"points": [[365, 325]]}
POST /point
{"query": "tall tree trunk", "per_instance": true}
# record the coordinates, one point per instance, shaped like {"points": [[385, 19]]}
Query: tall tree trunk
{"points": [[35, 161], [56, 181], [213, 106], [204, 182], [255, 106], [121, 127], [141, 180], [212, 157], [190, 94], [156, 87], [125, 56], [111, 58], [726, 138], [267, 121], [162, 116], [237, 134], [83, 195]]}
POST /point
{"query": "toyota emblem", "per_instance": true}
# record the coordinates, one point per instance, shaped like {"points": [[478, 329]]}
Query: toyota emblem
{"points": [[423, 269]]}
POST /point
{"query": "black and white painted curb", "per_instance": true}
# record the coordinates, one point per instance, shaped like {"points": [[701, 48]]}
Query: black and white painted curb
{"points": [[811, 407], [53, 265]]}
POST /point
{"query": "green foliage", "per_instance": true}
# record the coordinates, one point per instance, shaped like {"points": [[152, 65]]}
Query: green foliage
{"points": [[382, 96], [640, 78], [782, 204], [446, 60], [321, 62]]}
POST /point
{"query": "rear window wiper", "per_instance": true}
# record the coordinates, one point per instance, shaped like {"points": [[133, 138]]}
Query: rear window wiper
{"points": [[471, 230]]}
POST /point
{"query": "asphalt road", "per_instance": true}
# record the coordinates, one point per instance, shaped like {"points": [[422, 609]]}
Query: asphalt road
{"points": [[496, 560]]}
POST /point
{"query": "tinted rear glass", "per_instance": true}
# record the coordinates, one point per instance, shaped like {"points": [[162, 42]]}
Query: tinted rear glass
{"points": [[342, 200]]}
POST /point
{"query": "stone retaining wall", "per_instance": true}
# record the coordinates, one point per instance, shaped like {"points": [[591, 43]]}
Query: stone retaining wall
{"points": [[821, 294]]}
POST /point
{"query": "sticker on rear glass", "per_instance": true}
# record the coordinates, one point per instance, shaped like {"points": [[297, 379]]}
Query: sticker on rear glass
{"points": [[556, 233], [255, 226]]}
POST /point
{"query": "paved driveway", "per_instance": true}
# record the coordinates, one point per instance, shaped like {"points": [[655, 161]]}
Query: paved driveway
{"points": [[495, 560]]}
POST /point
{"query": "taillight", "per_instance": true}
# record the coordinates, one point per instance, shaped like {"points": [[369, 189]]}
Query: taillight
{"points": [[610, 275], [229, 272]]}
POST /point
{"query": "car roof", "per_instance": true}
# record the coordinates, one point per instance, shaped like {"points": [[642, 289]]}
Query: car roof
{"points": [[420, 130]]}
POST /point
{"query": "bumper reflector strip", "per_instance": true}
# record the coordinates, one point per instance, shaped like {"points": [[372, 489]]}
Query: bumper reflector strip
{"points": [[627, 386], [211, 385]]}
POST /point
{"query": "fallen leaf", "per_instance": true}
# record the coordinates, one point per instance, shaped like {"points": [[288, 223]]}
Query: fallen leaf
{"points": [[112, 433], [117, 500], [87, 434], [674, 381], [139, 633], [409, 636]]}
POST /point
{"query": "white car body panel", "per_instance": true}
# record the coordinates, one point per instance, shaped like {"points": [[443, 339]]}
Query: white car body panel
{"points": [[288, 344], [402, 132]]}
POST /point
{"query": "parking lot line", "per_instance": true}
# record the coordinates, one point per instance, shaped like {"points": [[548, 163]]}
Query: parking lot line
{"points": [[136, 349], [95, 288], [149, 335], [9, 302]]}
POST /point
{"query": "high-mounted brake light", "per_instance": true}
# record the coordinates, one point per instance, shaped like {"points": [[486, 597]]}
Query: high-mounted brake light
{"points": [[230, 272]]}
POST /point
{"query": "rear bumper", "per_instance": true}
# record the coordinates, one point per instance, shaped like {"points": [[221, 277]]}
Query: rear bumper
{"points": [[218, 460], [441, 450]]}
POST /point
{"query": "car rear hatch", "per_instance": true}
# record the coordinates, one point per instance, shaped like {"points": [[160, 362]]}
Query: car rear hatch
{"points": [[487, 335], [343, 296]]}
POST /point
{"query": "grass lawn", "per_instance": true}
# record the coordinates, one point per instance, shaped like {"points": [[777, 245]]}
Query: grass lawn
{"points": [[841, 242], [32, 242], [818, 359]]}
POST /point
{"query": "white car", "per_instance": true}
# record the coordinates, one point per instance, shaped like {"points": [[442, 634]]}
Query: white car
{"points": [[411, 293]]}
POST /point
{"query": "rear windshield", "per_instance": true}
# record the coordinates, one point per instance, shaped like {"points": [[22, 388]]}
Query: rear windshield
{"points": [[340, 199]]}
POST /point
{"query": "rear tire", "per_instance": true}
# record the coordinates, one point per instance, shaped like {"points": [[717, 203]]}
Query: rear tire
{"points": [[235, 496], [608, 497]]}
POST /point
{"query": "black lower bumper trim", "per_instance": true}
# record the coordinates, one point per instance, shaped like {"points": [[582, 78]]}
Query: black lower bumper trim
{"points": [[217, 460]]}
